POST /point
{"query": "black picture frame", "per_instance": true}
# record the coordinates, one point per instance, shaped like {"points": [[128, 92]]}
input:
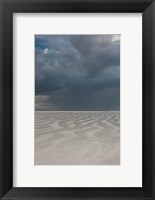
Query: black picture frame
{"points": [[7, 8]]}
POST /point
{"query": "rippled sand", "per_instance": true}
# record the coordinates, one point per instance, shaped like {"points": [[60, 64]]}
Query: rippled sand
{"points": [[77, 138]]}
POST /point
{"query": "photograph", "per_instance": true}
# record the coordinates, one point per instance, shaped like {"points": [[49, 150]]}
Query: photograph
{"points": [[77, 99]]}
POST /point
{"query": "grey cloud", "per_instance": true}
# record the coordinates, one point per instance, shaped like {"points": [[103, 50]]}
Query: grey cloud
{"points": [[78, 72]]}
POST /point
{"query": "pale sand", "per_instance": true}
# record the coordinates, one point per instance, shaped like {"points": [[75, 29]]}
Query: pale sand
{"points": [[77, 138]]}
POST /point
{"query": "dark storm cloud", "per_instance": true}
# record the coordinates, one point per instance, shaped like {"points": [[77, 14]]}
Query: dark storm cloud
{"points": [[77, 72]]}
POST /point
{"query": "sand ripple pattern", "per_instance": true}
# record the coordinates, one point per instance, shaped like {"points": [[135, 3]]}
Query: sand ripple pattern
{"points": [[77, 138]]}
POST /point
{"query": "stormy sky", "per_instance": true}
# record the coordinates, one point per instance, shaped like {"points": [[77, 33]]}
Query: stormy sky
{"points": [[77, 72]]}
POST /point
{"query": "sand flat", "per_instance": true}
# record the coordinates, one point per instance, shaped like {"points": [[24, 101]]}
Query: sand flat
{"points": [[77, 138]]}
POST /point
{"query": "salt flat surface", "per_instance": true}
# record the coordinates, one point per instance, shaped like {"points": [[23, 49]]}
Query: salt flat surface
{"points": [[77, 138]]}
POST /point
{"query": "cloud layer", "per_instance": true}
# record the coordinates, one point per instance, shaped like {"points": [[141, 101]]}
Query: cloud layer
{"points": [[77, 72]]}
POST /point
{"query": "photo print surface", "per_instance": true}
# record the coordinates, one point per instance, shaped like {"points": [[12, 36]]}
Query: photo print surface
{"points": [[77, 100]]}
